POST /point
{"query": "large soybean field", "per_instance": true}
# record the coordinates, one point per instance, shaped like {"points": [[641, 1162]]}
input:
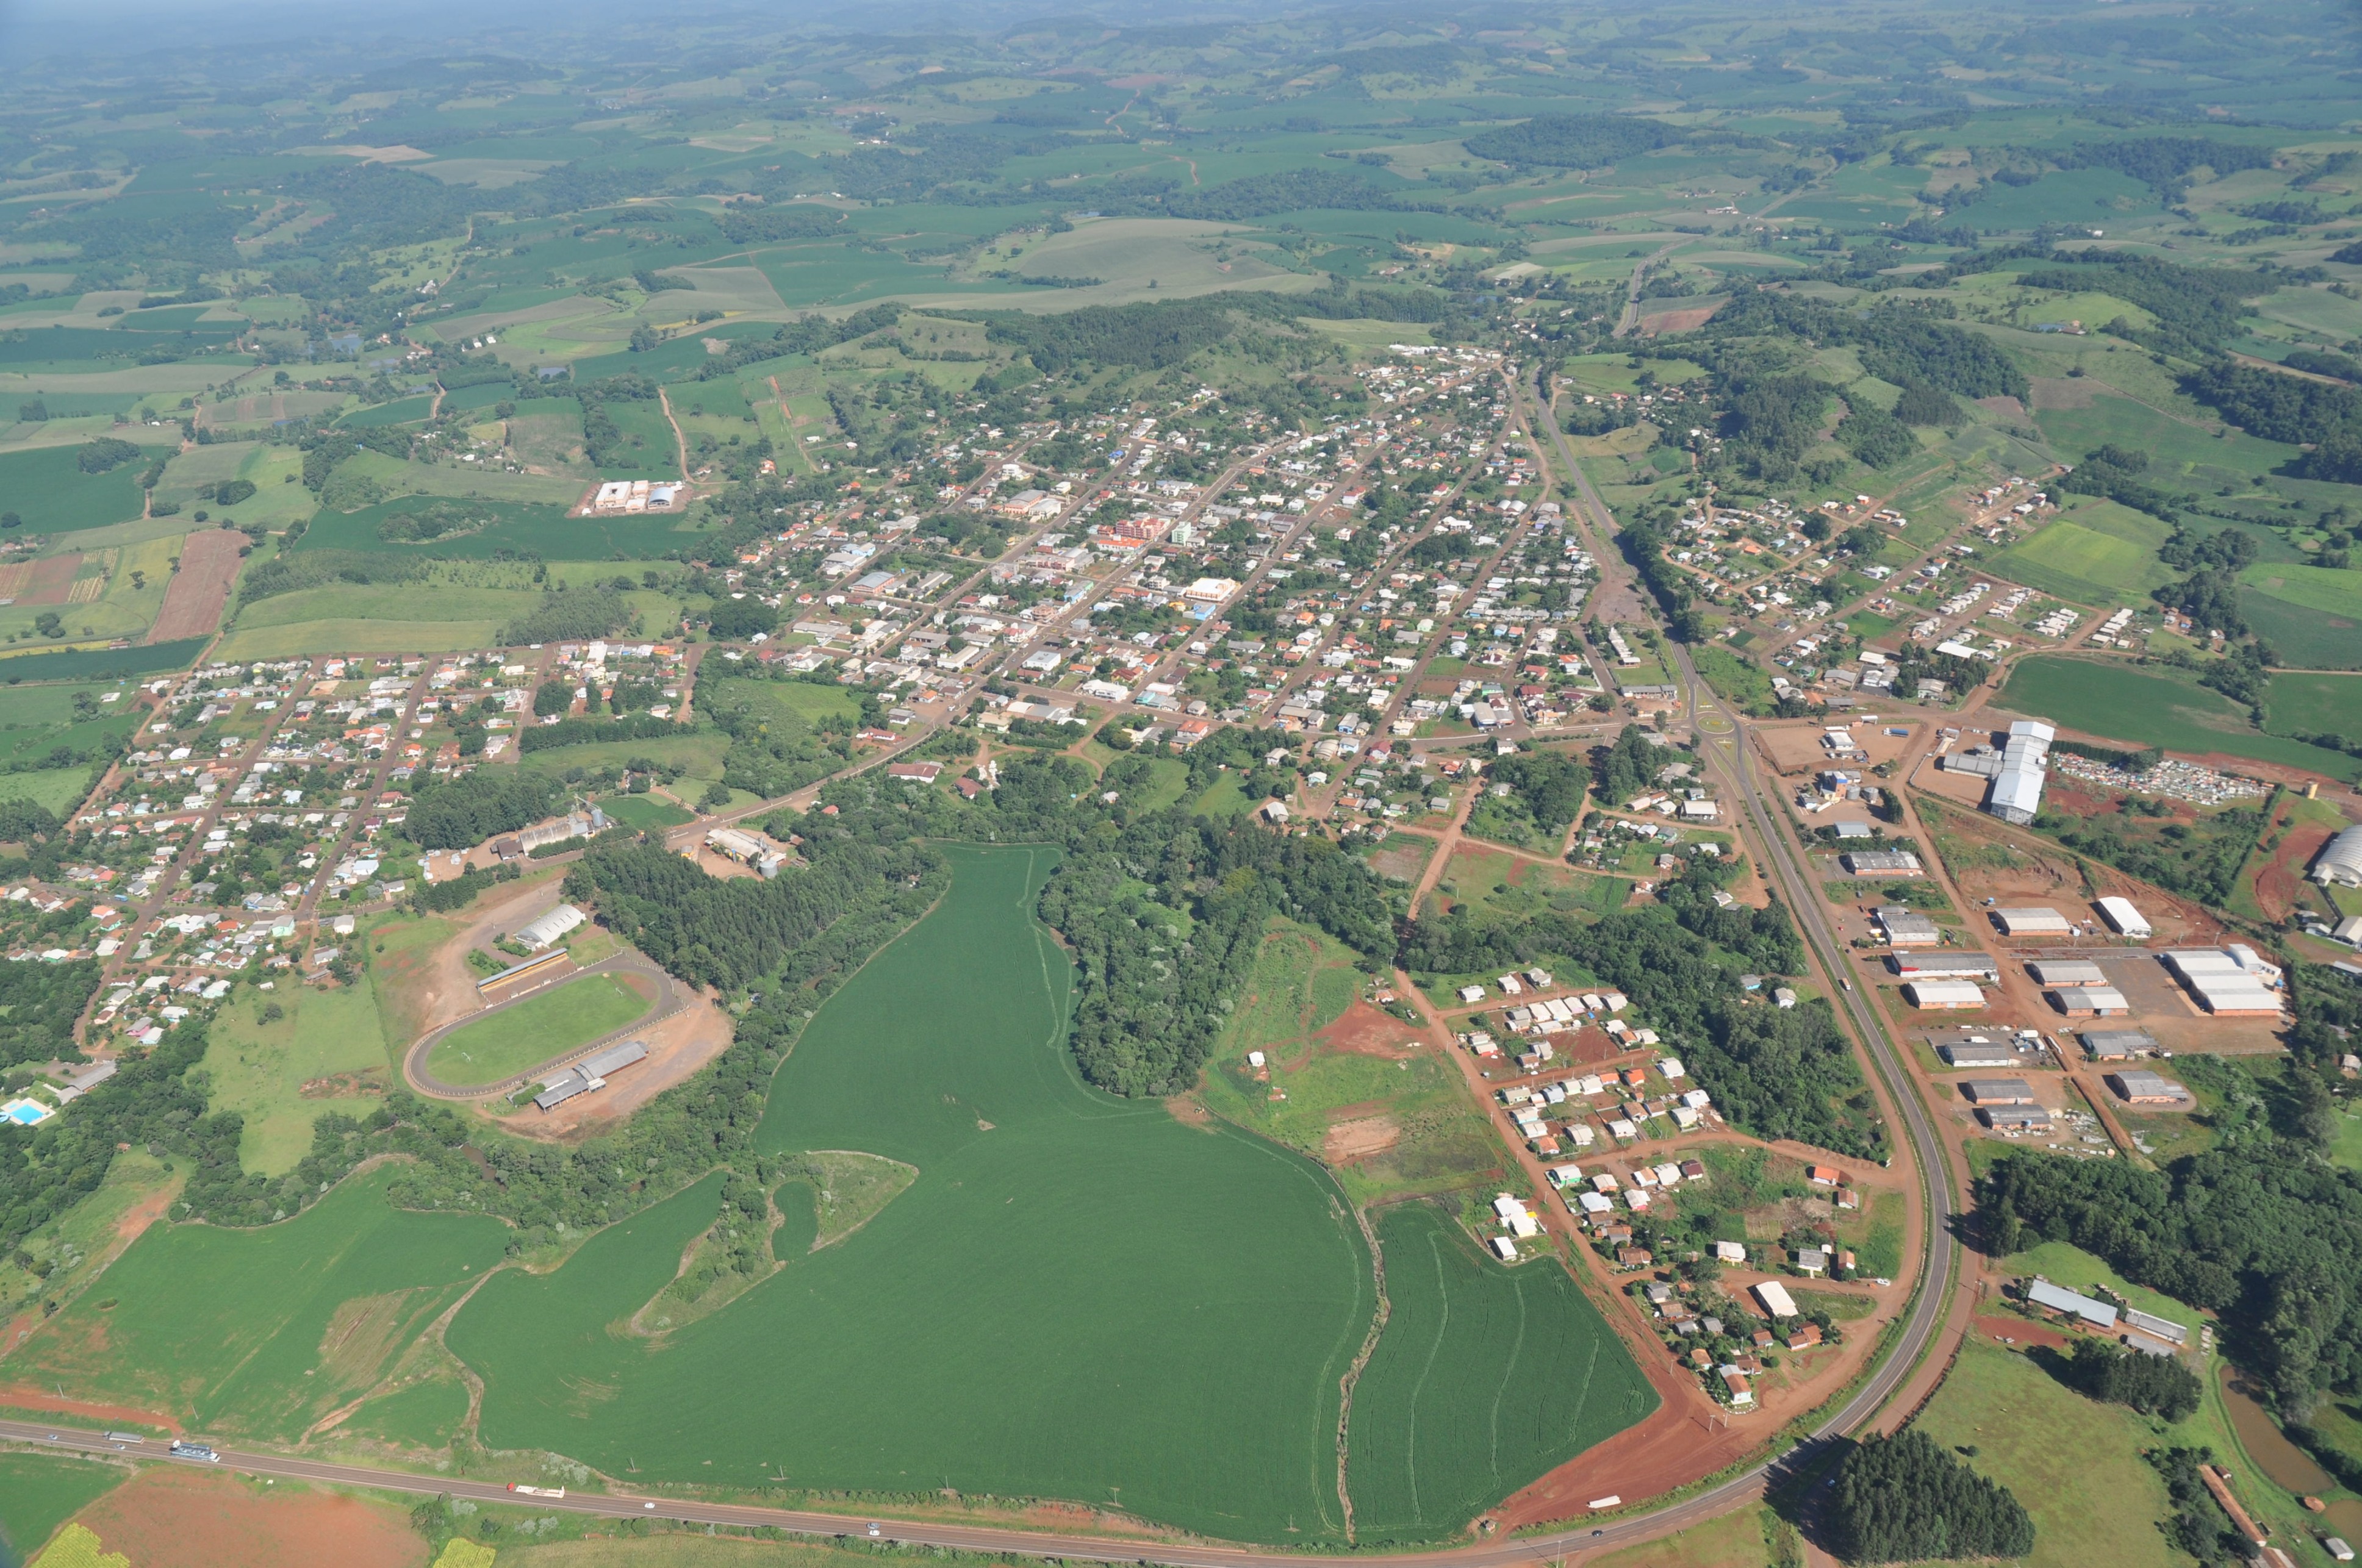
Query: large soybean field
{"points": [[258, 1333], [1079, 1297], [1487, 1377]]}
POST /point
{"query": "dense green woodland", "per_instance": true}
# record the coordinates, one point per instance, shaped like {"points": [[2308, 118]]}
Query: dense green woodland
{"points": [[1904, 1499]]}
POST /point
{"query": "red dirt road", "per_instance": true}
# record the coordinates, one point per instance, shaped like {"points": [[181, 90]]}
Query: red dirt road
{"points": [[194, 599], [173, 1518]]}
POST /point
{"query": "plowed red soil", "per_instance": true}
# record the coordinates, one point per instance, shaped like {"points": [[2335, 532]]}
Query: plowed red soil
{"points": [[45, 581], [1365, 1031], [2021, 1332], [194, 599], [2278, 883], [174, 1519]]}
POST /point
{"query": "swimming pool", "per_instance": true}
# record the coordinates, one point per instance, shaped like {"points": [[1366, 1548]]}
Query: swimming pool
{"points": [[26, 1113]]}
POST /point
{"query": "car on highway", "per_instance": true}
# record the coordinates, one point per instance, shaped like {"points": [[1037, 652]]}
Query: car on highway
{"points": [[196, 1450]]}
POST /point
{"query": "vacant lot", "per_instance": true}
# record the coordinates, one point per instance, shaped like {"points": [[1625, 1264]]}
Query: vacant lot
{"points": [[322, 1051]]}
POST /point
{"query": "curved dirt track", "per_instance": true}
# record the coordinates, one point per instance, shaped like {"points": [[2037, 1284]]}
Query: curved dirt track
{"points": [[668, 1001]]}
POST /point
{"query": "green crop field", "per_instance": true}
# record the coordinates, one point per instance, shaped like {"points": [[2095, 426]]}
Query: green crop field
{"points": [[423, 1415], [324, 1052], [1488, 1377], [47, 487], [2315, 704], [2144, 707], [2312, 615], [542, 532], [261, 1332], [101, 664], [38, 1492], [1112, 1262], [648, 449], [532, 1031]]}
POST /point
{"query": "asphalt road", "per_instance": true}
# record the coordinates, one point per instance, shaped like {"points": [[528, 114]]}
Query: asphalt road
{"points": [[1502, 1554]]}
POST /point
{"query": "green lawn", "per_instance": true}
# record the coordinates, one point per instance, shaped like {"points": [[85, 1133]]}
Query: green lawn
{"points": [[1115, 1261], [2151, 707], [46, 487], [645, 812], [532, 1031], [328, 1040]]}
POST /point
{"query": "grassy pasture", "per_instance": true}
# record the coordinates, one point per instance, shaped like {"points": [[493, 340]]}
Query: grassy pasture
{"points": [[1302, 983], [2151, 708], [2100, 555], [34, 720], [326, 1039], [58, 788], [1486, 1377], [46, 487], [535, 1030], [2093, 198], [2176, 449], [1111, 1255], [191, 1333], [2302, 637], [400, 478], [648, 449], [2103, 1506]]}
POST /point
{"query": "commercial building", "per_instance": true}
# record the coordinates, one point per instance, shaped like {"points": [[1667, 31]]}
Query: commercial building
{"points": [[1880, 863], [540, 933], [2031, 922], [1943, 995], [1775, 1298], [2340, 860], [1903, 926], [747, 849], [2052, 972], [2016, 769], [2226, 985], [1997, 1092], [2123, 919], [591, 1073], [2015, 1118], [1977, 1054], [1946, 964], [2117, 1044], [2090, 1001], [2138, 1086], [2069, 1304]]}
